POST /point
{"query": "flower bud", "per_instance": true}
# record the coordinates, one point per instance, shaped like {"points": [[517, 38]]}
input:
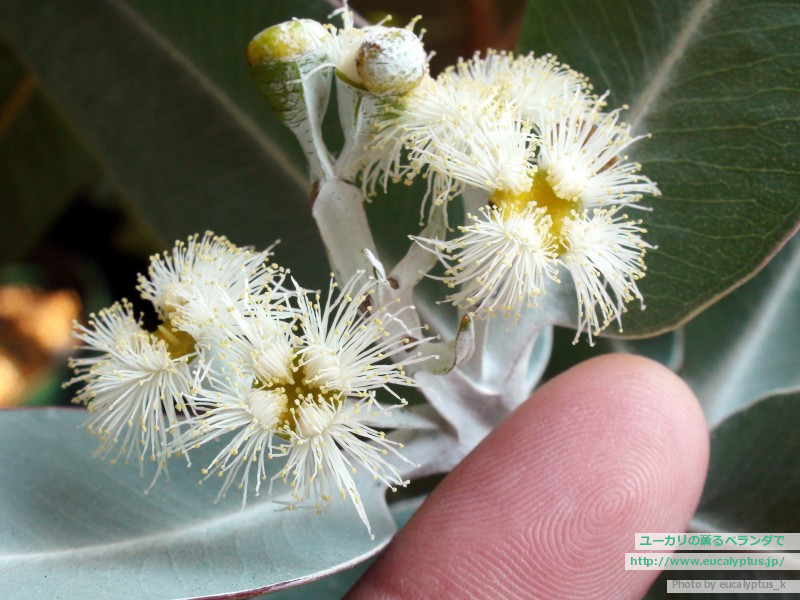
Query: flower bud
{"points": [[279, 57], [286, 63], [391, 61], [286, 41]]}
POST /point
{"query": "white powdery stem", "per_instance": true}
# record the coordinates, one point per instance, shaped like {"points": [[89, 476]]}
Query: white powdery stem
{"points": [[504, 364], [428, 452], [539, 358], [474, 398], [339, 212], [516, 376], [409, 271], [342, 222], [506, 353], [473, 199], [417, 261], [476, 366], [316, 91], [356, 110], [471, 408]]}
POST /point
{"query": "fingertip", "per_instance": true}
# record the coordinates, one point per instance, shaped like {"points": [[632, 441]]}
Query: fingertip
{"points": [[630, 387], [548, 504]]}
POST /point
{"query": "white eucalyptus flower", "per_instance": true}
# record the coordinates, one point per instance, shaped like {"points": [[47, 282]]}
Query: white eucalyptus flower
{"points": [[567, 215], [133, 383], [474, 125], [500, 261], [306, 391], [263, 342], [349, 346], [455, 131], [604, 254], [581, 153], [536, 84], [238, 405], [329, 441], [194, 286]]}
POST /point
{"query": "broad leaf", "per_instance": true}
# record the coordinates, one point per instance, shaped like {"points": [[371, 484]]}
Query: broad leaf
{"points": [[753, 482], [161, 94], [667, 348], [336, 586], [741, 493], [717, 83], [745, 346], [75, 527], [41, 162]]}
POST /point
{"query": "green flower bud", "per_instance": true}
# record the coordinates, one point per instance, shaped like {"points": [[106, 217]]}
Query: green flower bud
{"points": [[391, 61], [287, 65], [286, 41], [279, 57]]}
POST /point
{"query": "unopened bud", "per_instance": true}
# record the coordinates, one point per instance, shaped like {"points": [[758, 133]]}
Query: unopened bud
{"points": [[279, 57], [286, 41], [286, 64], [391, 61]]}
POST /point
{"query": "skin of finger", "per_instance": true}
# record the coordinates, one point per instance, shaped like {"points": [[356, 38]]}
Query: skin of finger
{"points": [[548, 504]]}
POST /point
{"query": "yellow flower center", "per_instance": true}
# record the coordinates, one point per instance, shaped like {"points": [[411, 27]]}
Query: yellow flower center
{"points": [[297, 392], [179, 343], [539, 194]]}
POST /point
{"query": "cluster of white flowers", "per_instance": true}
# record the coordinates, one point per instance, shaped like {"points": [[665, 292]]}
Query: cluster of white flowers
{"points": [[277, 372], [532, 146], [245, 357], [526, 136]]}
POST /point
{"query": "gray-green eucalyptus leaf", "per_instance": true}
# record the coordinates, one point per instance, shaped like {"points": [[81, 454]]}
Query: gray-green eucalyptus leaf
{"points": [[753, 465], [75, 527], [753, 483], [336, 586], [746, 346], [717, 83], [667, 348]]}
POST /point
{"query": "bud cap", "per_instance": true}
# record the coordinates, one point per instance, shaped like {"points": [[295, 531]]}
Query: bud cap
{"points": [[286, 41], [391, 61]]}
